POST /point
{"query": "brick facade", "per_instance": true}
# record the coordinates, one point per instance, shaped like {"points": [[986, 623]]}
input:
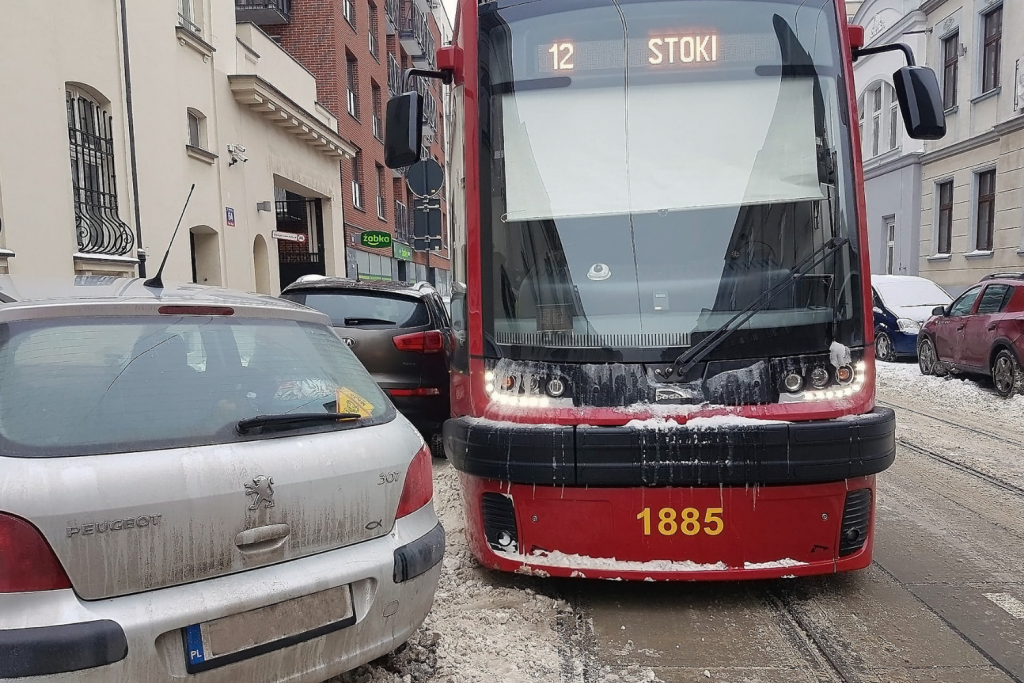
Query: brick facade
{"points": [[322, 38]]}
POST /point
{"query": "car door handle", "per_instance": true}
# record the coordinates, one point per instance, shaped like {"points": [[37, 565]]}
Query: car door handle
{"points": [[991, 327], [960, 327], [262, 537]]}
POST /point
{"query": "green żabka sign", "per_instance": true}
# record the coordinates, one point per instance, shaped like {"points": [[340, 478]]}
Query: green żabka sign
{"points": [[402, 252], [376, 239]]}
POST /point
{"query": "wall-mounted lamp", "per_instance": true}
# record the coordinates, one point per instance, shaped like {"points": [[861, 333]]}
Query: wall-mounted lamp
{"points": [[264, 206]]}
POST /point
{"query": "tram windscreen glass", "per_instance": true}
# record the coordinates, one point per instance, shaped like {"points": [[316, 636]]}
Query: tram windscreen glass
{"points": [[650, 168]]}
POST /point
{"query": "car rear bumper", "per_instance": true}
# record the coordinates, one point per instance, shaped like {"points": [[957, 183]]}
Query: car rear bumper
{"points": [[140, 637]]}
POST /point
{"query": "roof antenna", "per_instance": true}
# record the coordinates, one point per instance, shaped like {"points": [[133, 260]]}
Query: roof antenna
{"points": [[157, 281]]}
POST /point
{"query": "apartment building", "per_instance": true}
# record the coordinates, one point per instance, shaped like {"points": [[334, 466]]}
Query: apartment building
{"points": [[359, 51], [892, 159], [121, 107], [972, 198]]}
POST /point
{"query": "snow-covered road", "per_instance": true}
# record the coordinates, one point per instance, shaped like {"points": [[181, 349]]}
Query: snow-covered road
{"points": [[949, 560]]}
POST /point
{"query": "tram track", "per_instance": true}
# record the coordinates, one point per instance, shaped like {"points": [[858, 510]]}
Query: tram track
{"points": [[963, 467], [826, 663], [1002, 437]]}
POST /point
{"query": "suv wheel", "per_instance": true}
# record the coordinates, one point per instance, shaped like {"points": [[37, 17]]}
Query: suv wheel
{"points": [[927, 360], [437, 445], [1006, 375], [884, 349]]}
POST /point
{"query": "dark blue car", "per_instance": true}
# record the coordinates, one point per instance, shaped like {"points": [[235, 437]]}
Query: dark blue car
{"points": [[902, 304]]}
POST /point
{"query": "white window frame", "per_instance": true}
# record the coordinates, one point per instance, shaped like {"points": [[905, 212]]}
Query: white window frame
{"points": [[889, 238], [200, 129], [357, 186], [348, 10], [187, 17]]}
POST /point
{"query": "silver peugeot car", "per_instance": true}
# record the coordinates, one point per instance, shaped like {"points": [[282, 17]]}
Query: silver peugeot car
{"points": [[199, 482]]}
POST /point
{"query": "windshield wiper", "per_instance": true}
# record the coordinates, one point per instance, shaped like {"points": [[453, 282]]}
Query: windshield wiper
{"points": [[350, 322], [290, 420], [698, 352]]}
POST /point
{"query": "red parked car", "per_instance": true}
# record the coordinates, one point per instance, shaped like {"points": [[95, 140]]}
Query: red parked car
{"points": [[981, 332]]}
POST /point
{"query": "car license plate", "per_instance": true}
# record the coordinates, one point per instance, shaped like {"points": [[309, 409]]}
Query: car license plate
{"points": [[689, 521], [239, 636]]}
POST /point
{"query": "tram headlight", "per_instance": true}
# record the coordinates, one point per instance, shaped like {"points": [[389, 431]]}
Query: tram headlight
{"points": [[819, 378], [556, 387], [793, 382], [844, 375]]}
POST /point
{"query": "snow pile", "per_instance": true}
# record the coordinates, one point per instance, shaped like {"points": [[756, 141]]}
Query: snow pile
{"points": [[777, 564], [712, 422], [956, 396], [484, 626], [582, 562]]}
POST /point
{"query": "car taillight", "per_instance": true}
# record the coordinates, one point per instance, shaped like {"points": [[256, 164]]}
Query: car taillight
{"points": [[419, 484], [420, 342], [27, 563]]}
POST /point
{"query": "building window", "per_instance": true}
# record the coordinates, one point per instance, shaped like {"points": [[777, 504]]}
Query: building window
{"points": [[950, 46], [348, 8], [894, 122], [860, 122], [372, 32], [876, 119], [380, 193], [352, 71], [187, 17], [100, 229], [985, 219], [990, 58], [945, 236], [196, 129], [890, 244], [378, 105], [357, 181]]}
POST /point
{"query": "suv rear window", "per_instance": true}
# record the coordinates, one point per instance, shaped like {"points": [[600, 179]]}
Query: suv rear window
{"points": [[84, 386], [365, 309]]}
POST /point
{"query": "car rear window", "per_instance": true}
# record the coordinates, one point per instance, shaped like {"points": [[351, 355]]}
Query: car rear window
{"points": [[81, 386], [365, 309]]}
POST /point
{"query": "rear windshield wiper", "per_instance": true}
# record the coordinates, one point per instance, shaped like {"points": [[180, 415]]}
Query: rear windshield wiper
{"points": [[350, 322], [290, 420], [698, 352]]}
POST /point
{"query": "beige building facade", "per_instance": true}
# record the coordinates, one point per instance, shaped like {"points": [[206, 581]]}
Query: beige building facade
{"points": [[972, 195], [116, 108]]}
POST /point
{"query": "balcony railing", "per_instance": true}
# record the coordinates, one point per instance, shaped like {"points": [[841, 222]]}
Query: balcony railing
{"points": [[392, 12], [414, 31], [429, 104], [394, 76], [264, 12]]}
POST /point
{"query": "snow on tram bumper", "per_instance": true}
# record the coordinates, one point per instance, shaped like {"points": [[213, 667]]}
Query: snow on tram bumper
{"points": [[641, 502]]}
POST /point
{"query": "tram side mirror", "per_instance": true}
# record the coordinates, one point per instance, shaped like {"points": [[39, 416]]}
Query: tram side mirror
{"points": [[403, 130], [939, 310], [917, 89]]}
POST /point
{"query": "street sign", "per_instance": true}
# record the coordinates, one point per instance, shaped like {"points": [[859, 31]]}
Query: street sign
{"points": [[288, 236], [375, 239], [425, 178]]}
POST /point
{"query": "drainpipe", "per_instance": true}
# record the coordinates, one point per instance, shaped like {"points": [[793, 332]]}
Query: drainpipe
{"points": [[131, 138]]}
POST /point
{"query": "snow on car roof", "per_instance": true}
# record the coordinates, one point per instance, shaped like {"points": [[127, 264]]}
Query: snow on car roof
{"points": [[908, 290]]}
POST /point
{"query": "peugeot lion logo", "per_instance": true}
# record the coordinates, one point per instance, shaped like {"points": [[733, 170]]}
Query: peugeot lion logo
{"points": [[262, 491]]}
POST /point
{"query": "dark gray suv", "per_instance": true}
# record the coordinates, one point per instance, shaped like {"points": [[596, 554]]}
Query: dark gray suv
{"points": [[402, 334]]}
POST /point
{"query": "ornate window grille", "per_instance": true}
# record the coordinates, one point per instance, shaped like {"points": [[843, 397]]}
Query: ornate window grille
{"points": [[100, 230]]}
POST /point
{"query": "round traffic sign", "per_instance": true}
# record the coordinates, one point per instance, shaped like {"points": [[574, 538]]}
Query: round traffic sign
{"points": [[425, 178]]}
